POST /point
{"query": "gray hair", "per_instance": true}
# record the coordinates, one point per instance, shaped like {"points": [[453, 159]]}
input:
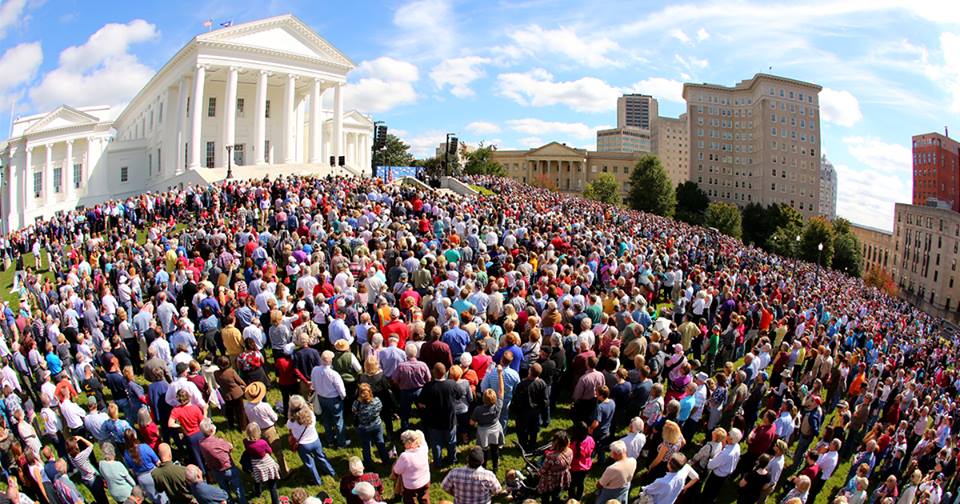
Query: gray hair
{"points": [[108, 451], [207, 427], [411, 350], [410, 437], [618, 449], [326, 357], [735, 435], [194, 475]]}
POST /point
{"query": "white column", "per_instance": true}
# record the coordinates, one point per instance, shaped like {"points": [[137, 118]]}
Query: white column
{"points": [[87, 169], [336, 143], [260, 120], [196, 118], [179, 157], [48, 176], [68, 172], [28, 186], [13, 184], [366, 154], [316, 123], [230, 117], [289, 114]]}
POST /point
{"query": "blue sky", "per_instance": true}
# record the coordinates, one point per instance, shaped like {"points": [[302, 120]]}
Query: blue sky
{"points": [[522, 73]]}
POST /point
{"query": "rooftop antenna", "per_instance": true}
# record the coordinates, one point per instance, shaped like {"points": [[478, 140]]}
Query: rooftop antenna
{"points": [[946, 132]]}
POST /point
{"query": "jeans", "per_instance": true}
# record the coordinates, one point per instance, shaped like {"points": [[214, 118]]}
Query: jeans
{"points": [[369, 437], [331, 411], [229, 480], [194, 441], [436, 438], [617, 494], [407, 398], [145, 481], [312, 454]]}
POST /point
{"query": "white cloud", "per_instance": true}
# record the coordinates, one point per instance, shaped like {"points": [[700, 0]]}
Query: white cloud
{"points": [[702, 34], [11, 11], [948, 74], [691, 63], [458, 73], [531, 126], [868, 197], [531, 142], [482, 128], [880, 156], [19, 64], [426, 28], [538, 88], [680, 35], [101, 71], [534, 40], [424, 145], [839, 107], [383, 84], [661, 88]]}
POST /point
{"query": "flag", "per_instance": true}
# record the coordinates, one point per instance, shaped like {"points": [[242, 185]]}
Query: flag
{"points": [[226, 24], [208, 23]]}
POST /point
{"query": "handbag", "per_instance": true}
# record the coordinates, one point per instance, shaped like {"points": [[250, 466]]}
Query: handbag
{"points": [[295, 441]]}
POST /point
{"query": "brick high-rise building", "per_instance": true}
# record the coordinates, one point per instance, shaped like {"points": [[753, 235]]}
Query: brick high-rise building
{"points": [[756, 142], [935, 170]]}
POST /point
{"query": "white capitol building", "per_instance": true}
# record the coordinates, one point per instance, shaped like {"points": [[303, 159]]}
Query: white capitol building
{"points": [[260, 86]]}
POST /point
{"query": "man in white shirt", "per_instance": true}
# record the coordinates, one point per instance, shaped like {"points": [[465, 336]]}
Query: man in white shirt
{"points": [[196, 397], [775, 467], [635, 439], [723, 465], [330, 390], [668, 487], [828, 463]]}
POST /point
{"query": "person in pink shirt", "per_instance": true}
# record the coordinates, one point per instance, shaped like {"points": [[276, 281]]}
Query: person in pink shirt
{"points": [[412, 468], [582, 445]]}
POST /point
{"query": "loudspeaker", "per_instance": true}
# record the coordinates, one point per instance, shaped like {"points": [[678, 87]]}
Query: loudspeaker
{"points": [[333, 161], [343, 160]]}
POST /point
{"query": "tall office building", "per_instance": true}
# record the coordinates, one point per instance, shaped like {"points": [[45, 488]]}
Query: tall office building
{"points": [[626, 139], [671, 143], [935, 171], [758, 141], [828, 189], [636, 111]]}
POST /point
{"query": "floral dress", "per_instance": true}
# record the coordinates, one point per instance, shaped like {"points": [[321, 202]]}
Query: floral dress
{"points": [[555, 471], [250, 364]]}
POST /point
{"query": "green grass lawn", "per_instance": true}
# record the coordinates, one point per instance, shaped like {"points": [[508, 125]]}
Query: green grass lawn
{"points": [[482, 190], [510, 456]]}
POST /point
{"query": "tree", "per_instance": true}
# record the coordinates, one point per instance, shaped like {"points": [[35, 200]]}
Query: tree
{"points": [[847, 254], [603, 189], [481, 162], [725, 217], [691, 202], [784, 241], [650, 188], [395, 153], [756, 224], [841, 226], [881, 279], [817, 231]]}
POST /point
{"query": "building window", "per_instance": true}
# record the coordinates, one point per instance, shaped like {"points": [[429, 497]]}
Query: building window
{"points": [[266, 110], [186, 154], [160, 113], [77, 175], [149, 164], [159, 165], [124, 173], [212, 106], [188, 106], [37, 184], [240, 107], [57, 180], [211, 154], [266, 151]]}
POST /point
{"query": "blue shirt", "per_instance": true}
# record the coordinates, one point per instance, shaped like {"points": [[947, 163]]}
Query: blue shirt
{"points": [[54, 364], [339, 331], [390, 357], [510, 380], [458, 339], [604, 417], [206, 493], [686, 407], [517, 356], [148, 459]]}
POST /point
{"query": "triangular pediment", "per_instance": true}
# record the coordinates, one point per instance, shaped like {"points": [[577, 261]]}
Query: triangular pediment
{"points": [[62, 117], [283, 34], [556, 149]]}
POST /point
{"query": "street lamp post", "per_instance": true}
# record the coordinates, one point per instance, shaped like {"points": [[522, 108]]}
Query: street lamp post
{"points": [[797, 277], [819, 251], [230, 161]]}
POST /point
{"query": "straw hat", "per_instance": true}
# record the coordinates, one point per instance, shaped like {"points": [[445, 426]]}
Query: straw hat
{"points": [[341, 345], [255, 392]]}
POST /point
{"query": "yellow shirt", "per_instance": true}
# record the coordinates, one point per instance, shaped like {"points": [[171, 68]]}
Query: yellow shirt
{"points": [[232, 340]]}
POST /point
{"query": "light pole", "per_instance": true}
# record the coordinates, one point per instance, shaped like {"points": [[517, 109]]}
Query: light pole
{"points": [[230, 161], [376, 146], [797, 255], [819, 251]]}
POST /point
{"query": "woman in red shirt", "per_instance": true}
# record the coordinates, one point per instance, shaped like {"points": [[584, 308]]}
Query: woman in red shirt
{"points": [[187, 418]]}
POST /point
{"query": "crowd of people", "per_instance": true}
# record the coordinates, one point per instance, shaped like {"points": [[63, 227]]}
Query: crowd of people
{"points": [[425, 327]]}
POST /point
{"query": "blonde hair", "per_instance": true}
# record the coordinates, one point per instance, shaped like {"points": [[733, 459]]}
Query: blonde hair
{"points": [[671, 432], [489, 397], [364, 393], [455, 372], [371, 366], [253, 431]]}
